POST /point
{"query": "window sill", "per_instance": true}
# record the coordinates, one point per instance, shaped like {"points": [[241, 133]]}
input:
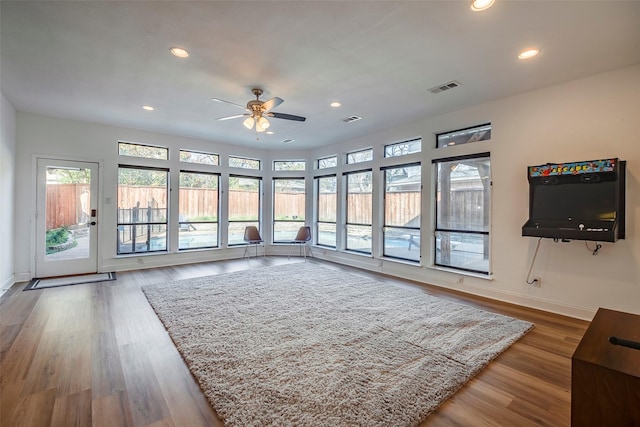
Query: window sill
{"points": [[488, 276], [139, 254], [210, 248], [362, 254], [401, 261]]}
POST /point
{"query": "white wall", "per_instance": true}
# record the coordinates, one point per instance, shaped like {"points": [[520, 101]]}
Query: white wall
{"points": [[591, 118], [42, 136], [7, 190], [585, 119]]}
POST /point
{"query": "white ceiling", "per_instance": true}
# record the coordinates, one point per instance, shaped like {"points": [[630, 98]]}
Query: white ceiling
{"points": [[100, 61]]}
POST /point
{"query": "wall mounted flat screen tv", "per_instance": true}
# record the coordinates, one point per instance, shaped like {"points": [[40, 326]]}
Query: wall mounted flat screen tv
{"points": [[578, 200]]}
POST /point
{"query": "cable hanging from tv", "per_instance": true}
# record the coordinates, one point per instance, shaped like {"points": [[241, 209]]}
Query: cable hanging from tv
{"points": [[533, 260], [594, 252]]}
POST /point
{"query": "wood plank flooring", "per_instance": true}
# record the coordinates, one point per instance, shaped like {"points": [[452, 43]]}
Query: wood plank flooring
{"points": [[97, 355]]}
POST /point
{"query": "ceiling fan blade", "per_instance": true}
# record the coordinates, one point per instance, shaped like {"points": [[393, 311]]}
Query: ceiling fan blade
{"points": [[272, 103], [233, 117], [229, 102], [287, 117]]}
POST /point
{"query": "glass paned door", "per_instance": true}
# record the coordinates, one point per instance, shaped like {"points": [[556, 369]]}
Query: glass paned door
{"points": [[66, 218]]}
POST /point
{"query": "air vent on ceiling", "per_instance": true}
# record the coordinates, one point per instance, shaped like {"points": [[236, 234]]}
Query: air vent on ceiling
{"points": [[287, 141], [441, 88], [351, 119]]}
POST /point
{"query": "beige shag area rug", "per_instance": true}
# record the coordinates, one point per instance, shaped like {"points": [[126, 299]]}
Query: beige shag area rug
{"points": [[306, 345]]}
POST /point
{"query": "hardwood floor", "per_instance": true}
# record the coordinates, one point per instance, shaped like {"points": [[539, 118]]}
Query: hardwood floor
{"points": [[96, 354]]}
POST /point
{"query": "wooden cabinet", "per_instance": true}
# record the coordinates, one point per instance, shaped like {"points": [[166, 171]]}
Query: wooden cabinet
{"points": [[605, 378]]}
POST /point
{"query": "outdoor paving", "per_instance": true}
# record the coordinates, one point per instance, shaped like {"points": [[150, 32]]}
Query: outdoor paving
{"points": [[81, 250]]}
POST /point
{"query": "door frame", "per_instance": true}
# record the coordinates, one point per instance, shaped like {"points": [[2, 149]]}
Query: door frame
{"points": [[96, 229]]}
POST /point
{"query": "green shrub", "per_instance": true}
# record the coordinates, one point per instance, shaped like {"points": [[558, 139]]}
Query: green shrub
{"points": [[57, 236]]}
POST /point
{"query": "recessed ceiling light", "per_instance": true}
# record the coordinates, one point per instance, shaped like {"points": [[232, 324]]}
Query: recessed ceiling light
{"points": [[529, 53], [480, 5], [269, 132], [148, 107], [335, 104], [179, 52]]}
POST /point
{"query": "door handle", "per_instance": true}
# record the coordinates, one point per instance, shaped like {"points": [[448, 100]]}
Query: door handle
{"points": [[93, 223]]}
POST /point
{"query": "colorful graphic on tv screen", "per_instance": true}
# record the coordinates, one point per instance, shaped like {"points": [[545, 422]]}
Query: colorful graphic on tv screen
{"points": [[575, 168]]}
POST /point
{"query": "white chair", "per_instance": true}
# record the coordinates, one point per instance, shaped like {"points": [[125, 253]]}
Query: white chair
{"points": [[301, 240], [252, 238]]}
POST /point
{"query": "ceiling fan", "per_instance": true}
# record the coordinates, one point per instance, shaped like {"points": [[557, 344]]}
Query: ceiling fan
{"points": [[257, 112]]}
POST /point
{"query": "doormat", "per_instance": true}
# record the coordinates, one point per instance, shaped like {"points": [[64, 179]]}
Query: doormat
{"points": [[55, 282]]}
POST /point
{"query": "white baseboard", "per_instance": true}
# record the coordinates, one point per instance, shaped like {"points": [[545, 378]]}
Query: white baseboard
{"points": [[143, 261], [7, 283], [22, 277], [448, 280], [400, 270], [529, 301]]}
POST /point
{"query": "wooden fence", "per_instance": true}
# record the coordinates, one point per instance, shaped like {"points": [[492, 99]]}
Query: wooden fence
{"points": [[463, 212], [243, 204], [403, 209], [68, 204], [65, 203]]}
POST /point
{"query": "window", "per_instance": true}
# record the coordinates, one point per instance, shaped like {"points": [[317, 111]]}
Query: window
{"points": [[326, 187], [402, 208], [464, 136], [288, 208], [328, 162], [187, 156], [360, 156], [198, 211], [289, 165], [141, 150], [403, 148], [244, 206], [241, 162], [359, 207], [463, 200], [142, 209]]}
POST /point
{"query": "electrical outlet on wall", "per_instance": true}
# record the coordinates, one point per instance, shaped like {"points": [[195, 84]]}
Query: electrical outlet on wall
{"points": [[460, 280], [537, 282]]}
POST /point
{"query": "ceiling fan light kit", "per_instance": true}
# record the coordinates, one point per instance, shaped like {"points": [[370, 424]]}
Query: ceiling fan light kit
{"points": [[248, 123], [256, 110], [263, 123]]}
